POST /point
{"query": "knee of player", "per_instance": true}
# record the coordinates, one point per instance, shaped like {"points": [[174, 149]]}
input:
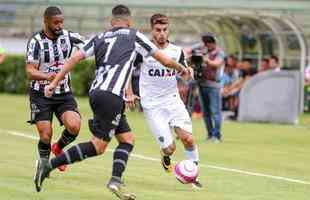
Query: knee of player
{"points": [[45, 135], [74, 128], [130, 139], [45, 138], [169, 150], [100, 146], [188, 140]]}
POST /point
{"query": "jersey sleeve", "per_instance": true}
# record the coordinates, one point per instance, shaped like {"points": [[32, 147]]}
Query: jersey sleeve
{"points": [[144, 46], [76, 39], [33, 51], [88, 48]]}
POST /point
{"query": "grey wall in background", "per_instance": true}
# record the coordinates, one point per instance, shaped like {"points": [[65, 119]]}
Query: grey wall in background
{"points": [[271, 97]]}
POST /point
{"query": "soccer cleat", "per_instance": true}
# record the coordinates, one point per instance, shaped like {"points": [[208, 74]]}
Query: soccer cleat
{"points": [[166, 163], [197, 185], [120, 190], [42, 171], [57, 151]]}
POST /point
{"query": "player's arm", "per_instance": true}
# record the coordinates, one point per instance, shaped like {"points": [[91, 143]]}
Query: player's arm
{"points": [[165, 60], [34, 74], [33, 60], [130, 97], [68, 66], [86, 51], [146, 48], [76, 39]]}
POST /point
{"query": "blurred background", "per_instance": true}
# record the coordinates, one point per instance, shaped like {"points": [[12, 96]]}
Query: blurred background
{"points": [[251, 31]]}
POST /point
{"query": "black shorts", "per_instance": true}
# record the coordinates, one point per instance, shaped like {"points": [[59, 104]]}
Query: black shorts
{"points": [[42, 108], [109, 118]]}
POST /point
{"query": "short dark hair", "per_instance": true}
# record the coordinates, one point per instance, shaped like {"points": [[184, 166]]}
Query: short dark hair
{"points": [[208, 38], [159, 19], [232, 56], [247, 60], [120, 11], [52, 11], [265, 60]]}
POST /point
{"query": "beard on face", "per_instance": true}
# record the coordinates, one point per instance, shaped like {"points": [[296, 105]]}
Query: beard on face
{"points": [[161, 40], [55, 32]]}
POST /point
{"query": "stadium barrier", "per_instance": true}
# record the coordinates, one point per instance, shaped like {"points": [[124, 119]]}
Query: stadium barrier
{"points": [[271, 97]]}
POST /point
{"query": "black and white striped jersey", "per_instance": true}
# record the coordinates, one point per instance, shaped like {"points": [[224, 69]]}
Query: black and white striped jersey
{"points": [[115, 51], [50, 56]]}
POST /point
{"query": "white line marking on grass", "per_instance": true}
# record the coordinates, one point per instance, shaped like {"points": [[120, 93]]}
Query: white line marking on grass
{"points": [[29, 136]]}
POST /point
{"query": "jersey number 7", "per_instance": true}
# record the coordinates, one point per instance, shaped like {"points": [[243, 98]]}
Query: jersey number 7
{"points": [[110, 42]]}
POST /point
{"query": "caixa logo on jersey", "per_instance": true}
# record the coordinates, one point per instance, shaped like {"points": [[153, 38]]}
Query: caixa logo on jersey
{"points": [[55, 67], [161, 72]]}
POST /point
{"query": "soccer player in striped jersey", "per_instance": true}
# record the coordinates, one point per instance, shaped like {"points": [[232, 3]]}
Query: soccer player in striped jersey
{"points": [[114, 51], [47, 51], [163, 108]]}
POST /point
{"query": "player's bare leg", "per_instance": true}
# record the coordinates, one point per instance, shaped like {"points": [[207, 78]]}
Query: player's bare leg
{"points": [[72, 123], [191, 150]]}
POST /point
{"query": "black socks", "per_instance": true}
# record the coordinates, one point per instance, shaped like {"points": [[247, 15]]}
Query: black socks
{"points": [[75, 153], [120, 158]]}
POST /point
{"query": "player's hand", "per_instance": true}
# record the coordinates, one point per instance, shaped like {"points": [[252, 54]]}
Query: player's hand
{"points": [[188, 74], [51, 76], [49, 90], [130, 100]]}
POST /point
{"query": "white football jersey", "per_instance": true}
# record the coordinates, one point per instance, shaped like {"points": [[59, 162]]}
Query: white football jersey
{"points": [[157, 82]]}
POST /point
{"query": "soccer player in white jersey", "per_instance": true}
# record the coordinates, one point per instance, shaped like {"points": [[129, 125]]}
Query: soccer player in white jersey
{"points": [[161, 102]]}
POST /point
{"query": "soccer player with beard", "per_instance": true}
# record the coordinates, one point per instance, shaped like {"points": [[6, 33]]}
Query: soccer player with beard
{"points": [[47, 51], [161, 102]]}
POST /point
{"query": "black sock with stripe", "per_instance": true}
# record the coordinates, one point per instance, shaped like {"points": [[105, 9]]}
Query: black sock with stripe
{"points": [[120, 158], [75, 153], [66, 138], [44, 149]]}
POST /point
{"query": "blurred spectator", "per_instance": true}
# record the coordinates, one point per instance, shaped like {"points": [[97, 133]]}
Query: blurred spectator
{"points": [[231, 75], [307, 88], [264, 65], [233, 90], [274, 63], [2, 54], [307, 75]]}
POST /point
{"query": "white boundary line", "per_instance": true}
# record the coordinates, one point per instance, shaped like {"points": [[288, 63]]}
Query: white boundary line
{"points": [[29, 136]]}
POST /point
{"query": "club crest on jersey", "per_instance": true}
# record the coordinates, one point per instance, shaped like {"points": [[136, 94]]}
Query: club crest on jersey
{"points": [[63, 45], [161, 72]]}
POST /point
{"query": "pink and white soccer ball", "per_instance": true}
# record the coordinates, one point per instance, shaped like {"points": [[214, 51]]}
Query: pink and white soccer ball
{"points": [[186, 171]]}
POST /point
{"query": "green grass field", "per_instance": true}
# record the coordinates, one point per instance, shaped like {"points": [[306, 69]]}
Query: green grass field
{"points": [[273, 162]]}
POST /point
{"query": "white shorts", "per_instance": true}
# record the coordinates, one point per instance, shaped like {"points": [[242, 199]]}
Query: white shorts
{"points": [[163, 118]]}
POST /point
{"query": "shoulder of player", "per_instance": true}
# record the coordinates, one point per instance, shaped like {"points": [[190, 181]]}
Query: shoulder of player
{"points": [[69, 33], [35, 36], [174, 47]]}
